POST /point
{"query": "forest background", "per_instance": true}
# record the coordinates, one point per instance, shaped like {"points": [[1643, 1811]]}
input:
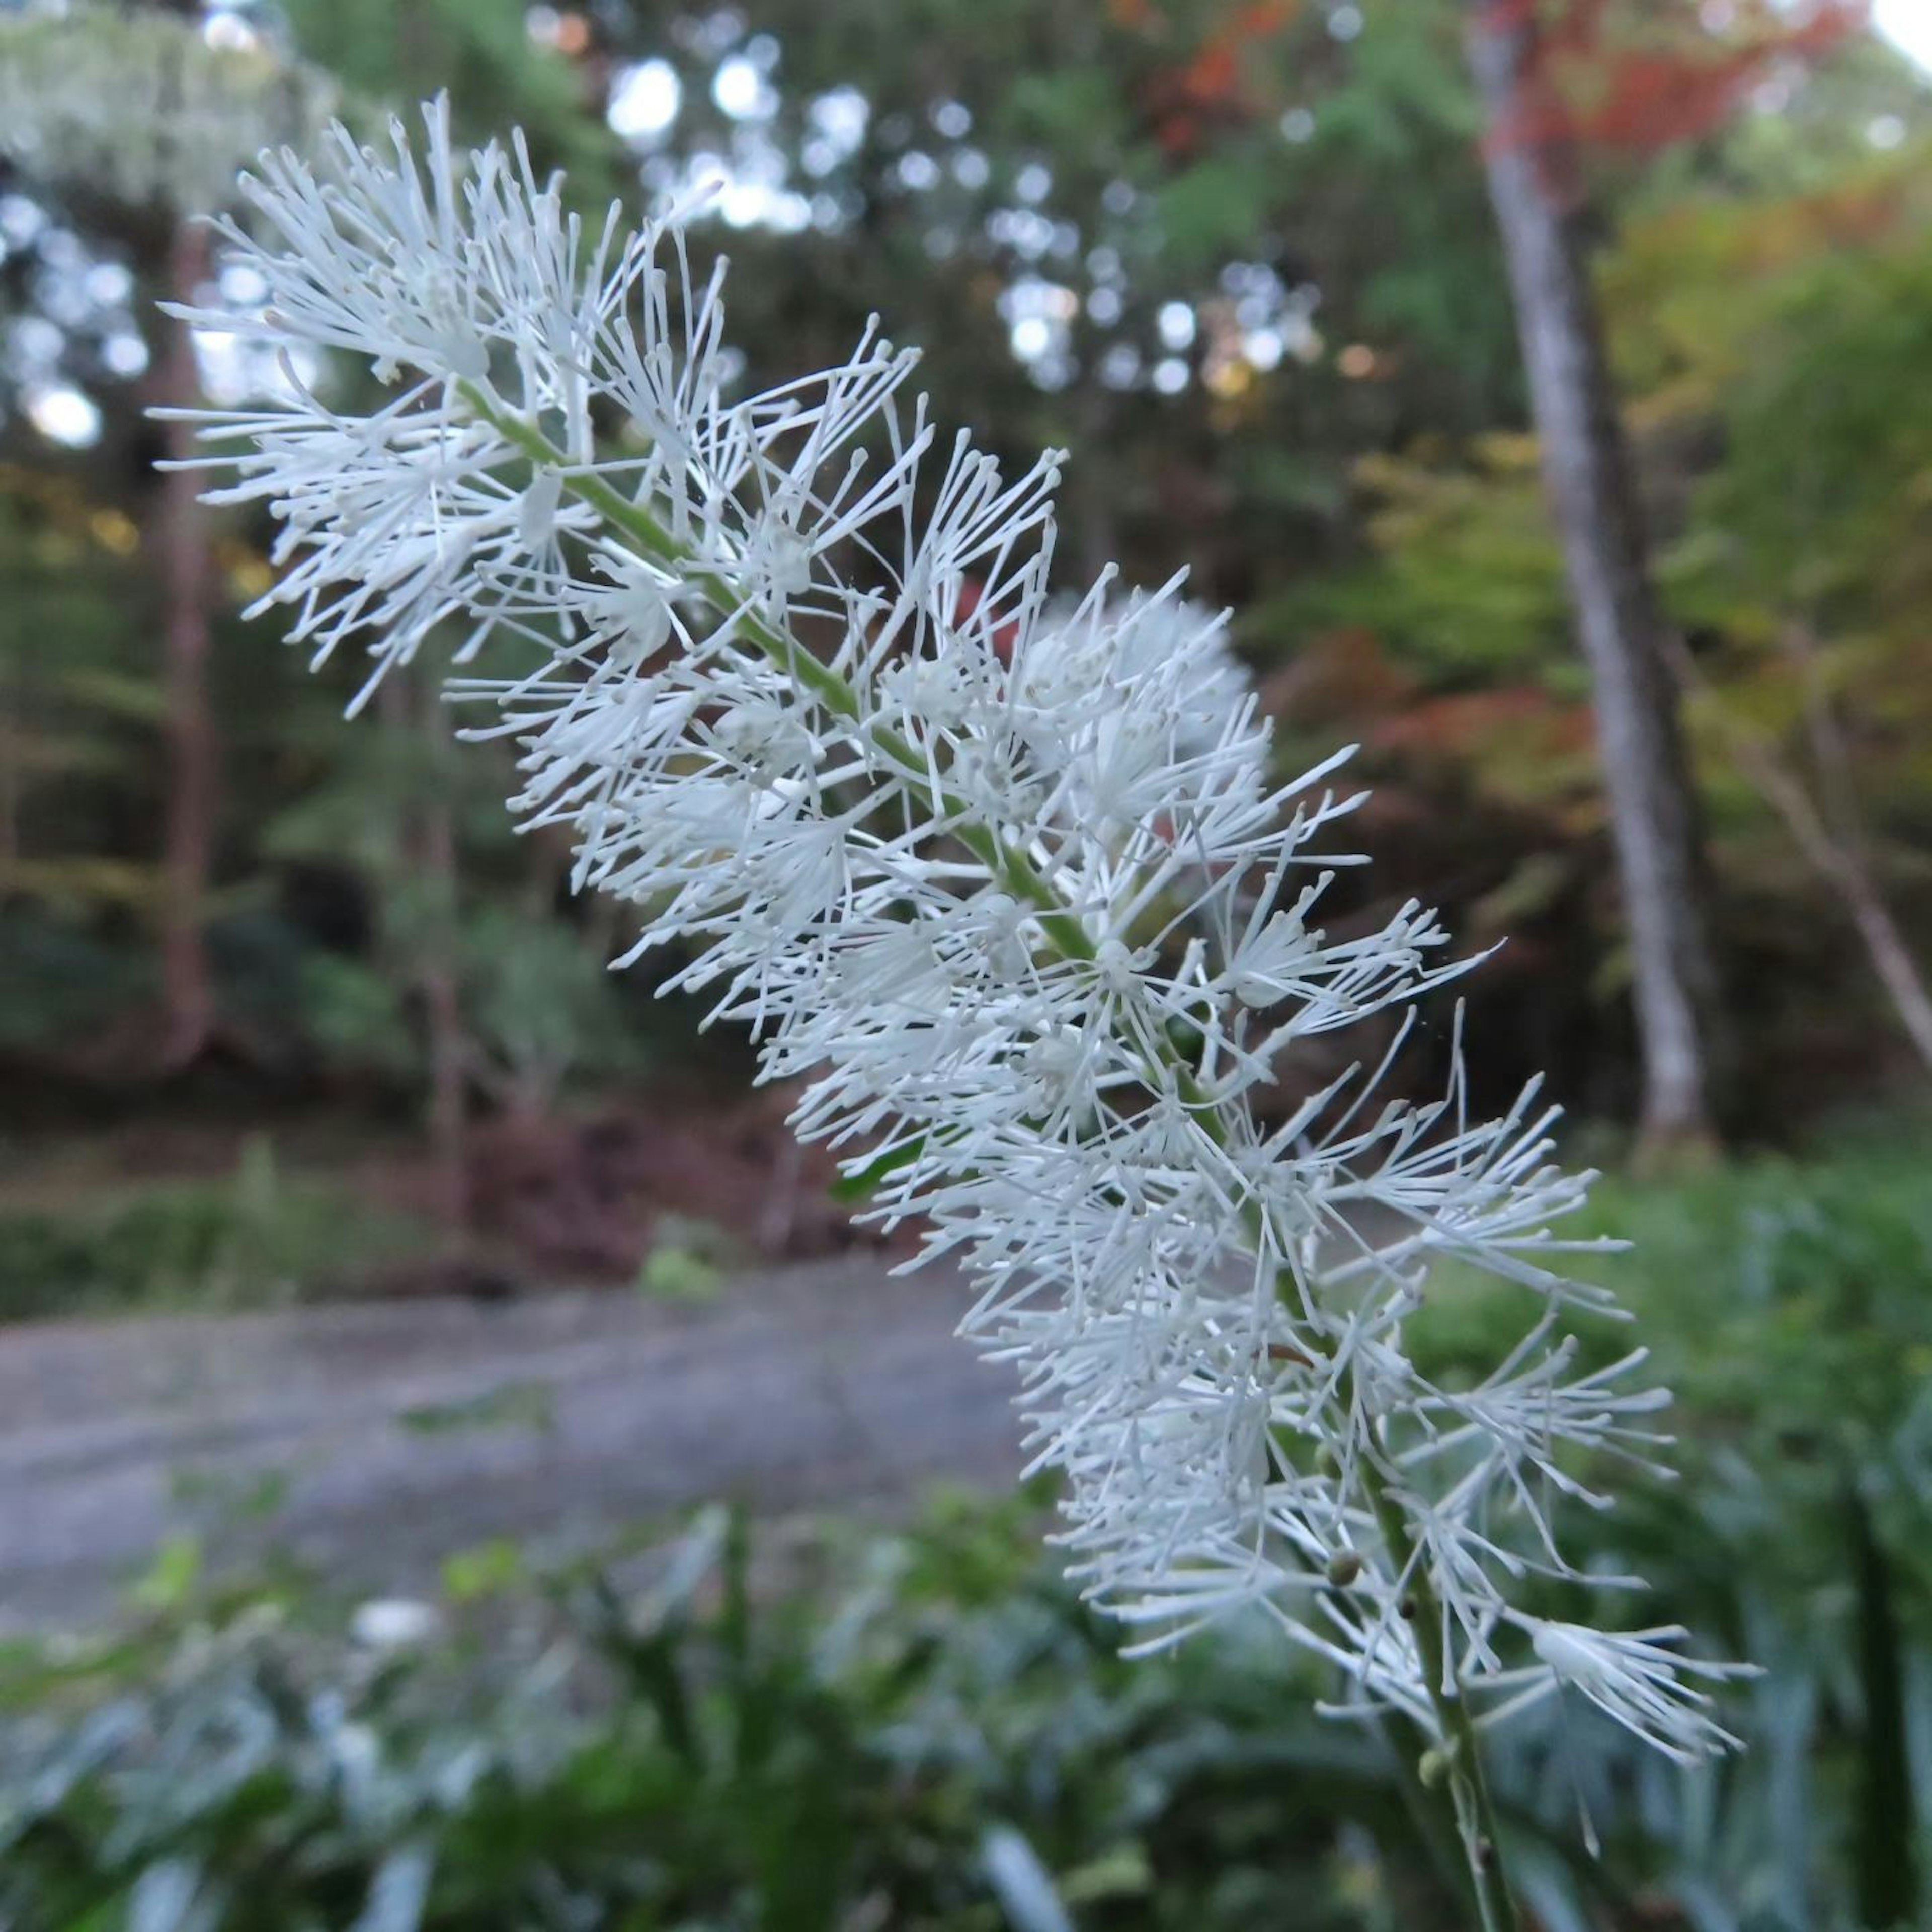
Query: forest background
{"points": [[1242, 262], [288, 1013]]}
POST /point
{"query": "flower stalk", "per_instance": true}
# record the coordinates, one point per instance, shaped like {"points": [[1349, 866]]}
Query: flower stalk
{"points": [[1455, 1779], [823, 683], [1461, 1793], [1005, 882]]}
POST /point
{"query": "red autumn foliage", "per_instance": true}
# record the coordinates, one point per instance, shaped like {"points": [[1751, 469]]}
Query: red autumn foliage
{"points": [[1208, 89], [1461, 721], [1626, 78], [1337, 679]]}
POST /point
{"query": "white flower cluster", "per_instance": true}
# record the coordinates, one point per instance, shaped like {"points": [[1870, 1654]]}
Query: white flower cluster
{"points": [[137, 105], [1007, 883]]}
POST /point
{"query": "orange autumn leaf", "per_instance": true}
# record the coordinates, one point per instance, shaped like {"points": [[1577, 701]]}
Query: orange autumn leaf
{"points": [[1462, 720], [1588, 86]]}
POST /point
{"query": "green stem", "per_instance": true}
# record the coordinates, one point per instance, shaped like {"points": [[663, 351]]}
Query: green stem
{"points": [[1461, 1799], [1014, 870], [1461, 1776], [1431, 1819]]}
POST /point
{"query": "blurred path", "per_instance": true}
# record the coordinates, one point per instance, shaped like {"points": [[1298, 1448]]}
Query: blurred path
{"points": [[370, 1441]]}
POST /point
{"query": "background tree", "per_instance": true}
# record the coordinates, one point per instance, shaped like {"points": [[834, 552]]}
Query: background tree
{"points": [[1241, 257], [162, 163]]}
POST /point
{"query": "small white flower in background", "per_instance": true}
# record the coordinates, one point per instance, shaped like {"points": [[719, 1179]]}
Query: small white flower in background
{"points": [[394, 1623], [1006, 882]]}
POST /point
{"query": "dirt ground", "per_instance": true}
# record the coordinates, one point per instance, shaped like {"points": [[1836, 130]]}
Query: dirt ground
{"points": [[371, 1442]]}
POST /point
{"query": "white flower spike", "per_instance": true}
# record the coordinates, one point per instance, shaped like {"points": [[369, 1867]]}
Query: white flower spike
{"points": [[1006, 883]]}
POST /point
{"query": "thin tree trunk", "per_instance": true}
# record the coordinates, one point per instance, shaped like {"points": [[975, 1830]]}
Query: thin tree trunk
{"points": [[443, 1009], [427, 882], [1838, 858], [1587, 472], [12, 737], [186, 570], [1891, 959]]}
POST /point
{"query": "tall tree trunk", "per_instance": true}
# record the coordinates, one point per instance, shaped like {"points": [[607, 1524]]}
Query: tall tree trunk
{"points": [[1587, 471], [187, 571]]}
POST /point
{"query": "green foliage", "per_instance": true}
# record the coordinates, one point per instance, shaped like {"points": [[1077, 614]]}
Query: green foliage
{"points": [[61, 981], [351, 1012], [542, 1006], [1789, 1305], [1828, 468], [1405, 228], [889, 1749], [1771, 334], [513, 1405], [1470, 586], [257, 1239], [389, 54], [679, 1270]]}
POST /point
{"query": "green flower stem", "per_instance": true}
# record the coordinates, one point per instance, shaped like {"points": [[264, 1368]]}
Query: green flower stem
{"points": [[1462, 1774], [1461, 1797], [1013, 869]]}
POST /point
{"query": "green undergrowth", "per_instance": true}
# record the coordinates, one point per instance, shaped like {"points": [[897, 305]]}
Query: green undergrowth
{"points": [[1787, 1302], [927, 1730], [256, 1238], [919, 1731]]}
